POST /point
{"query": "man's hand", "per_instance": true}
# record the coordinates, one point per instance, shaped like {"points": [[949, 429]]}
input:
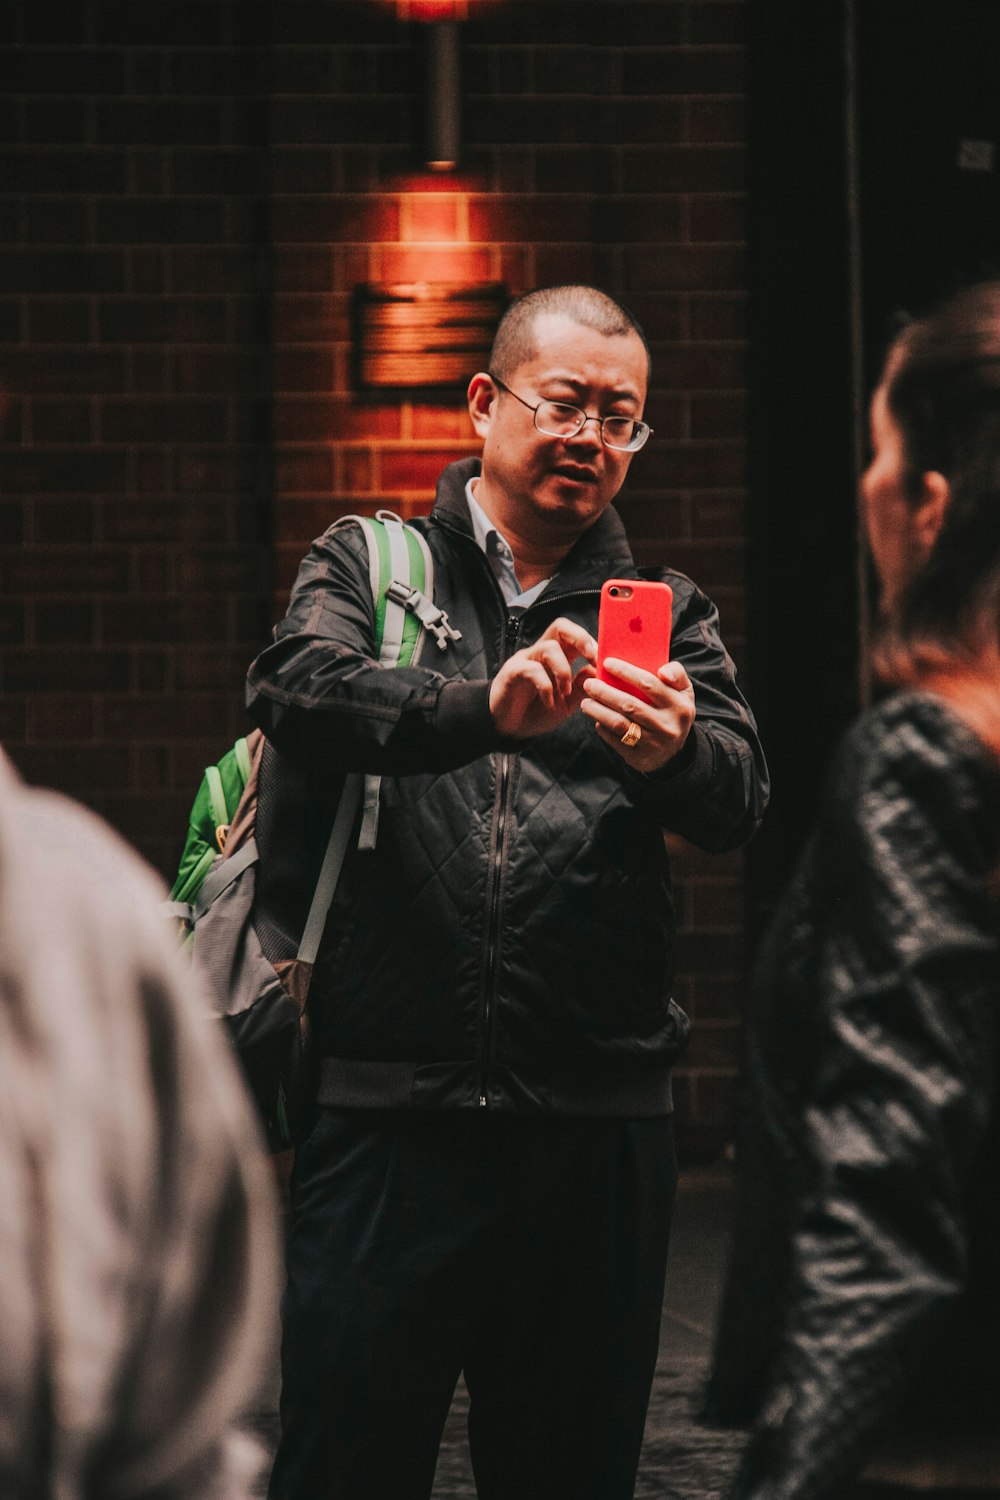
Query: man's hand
{"points": [[663, 724], [535, 689]]}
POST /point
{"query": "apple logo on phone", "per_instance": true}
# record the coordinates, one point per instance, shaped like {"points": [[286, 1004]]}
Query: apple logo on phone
{"points": [[635, 624]]}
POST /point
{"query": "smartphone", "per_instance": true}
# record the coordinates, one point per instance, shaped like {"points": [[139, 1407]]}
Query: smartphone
{"points": [[634, 624]]}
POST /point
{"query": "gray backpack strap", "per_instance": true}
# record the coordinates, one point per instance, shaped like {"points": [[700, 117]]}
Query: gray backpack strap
{"points": [[223, 874], [333, 863]]}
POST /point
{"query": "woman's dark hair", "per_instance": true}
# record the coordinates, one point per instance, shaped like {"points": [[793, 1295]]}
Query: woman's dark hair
{"points": [[942, 388]]}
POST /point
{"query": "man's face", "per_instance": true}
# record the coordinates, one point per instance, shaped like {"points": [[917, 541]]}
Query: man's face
{"points": [[558, 486]]}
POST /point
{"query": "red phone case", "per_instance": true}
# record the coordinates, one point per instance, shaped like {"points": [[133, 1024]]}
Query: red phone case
{"points": [[634, 624]]}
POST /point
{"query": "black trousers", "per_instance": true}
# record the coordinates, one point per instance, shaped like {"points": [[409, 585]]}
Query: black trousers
{"points": [[528, 1252]]}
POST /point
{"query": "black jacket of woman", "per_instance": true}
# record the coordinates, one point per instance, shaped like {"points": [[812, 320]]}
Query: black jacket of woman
{"points": [[861, 1319]]}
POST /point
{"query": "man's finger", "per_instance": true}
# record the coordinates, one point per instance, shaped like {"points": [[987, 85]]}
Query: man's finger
{"points": [[574, 639], [647, 682], [533, 673], [554, 658], [649, 697], [673, 675]]}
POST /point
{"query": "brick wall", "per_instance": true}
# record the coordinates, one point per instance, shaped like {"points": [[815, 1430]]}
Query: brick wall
{"points": [[192, 190], [136, 505]]}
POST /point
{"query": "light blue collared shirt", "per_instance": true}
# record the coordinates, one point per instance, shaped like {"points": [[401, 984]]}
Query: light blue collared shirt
{"points": [[500, 557]]}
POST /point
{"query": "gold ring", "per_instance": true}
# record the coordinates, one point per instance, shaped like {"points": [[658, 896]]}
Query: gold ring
{"points": [[632, 736]]}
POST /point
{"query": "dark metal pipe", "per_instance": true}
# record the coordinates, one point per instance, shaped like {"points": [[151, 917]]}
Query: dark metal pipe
{"points": [[443, 96]]}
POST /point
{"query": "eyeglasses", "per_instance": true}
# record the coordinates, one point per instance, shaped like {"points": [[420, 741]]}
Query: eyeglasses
{"points": [[558, 419]]}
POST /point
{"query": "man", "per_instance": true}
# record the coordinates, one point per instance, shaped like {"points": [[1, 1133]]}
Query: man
{"points": [[138, 1243], [489, 1182]]}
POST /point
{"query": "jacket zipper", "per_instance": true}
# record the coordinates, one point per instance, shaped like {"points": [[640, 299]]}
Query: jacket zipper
{"points": [[511, 642], [511, 635], [508, 646], [512, 632]]}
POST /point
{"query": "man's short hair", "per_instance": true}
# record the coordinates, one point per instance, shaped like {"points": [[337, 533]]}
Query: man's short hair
{"points": [[515, 343]]}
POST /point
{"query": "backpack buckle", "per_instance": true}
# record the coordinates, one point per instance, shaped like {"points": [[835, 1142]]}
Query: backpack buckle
{"points": [[430, 616]]}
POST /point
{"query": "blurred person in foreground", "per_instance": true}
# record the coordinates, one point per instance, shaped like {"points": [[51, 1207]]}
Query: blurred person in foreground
{"points": [[137, 1227], [861, 1323]]}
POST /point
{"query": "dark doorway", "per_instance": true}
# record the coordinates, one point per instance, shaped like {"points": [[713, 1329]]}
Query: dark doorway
{"points": [[928, 113], [803, 546], [875, 187]]}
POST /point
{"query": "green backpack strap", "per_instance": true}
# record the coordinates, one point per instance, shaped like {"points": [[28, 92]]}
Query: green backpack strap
{"points": [[216, 798], [393, 556], [405, 583], [401, 571], [212, 812], [244, 765]]}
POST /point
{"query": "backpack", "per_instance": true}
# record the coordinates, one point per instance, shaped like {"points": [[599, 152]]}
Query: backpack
{"points": [[209, 822], [259, 971]]}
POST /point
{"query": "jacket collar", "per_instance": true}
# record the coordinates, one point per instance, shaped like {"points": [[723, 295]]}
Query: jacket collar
{"points": [[601, 552]]}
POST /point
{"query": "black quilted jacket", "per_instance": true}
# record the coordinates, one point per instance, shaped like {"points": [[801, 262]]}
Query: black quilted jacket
{"points": [[861, 1320], [509, 941]]}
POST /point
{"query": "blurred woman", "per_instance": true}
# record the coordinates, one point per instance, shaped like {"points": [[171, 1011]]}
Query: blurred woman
{"points": [[138, 1227], [860, 1330]]}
